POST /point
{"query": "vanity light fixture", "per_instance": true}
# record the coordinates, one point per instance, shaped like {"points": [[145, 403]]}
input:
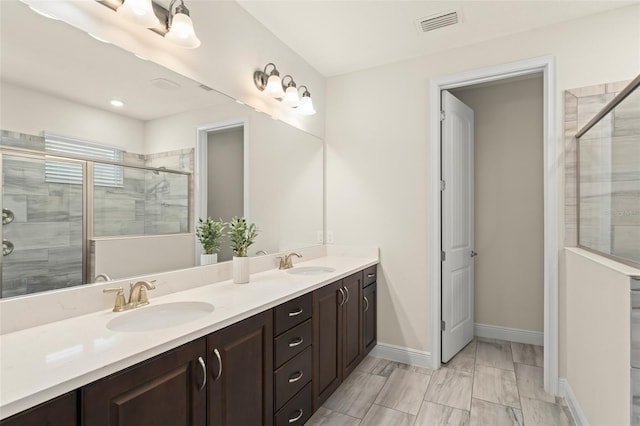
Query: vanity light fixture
{"points": [[283, 90], [139, 11], [180, 26], [270, 83], [306, 104], [291, 97]]}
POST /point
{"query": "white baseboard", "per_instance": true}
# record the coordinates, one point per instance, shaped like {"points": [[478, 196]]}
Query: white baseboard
{"points": [[510, 334], [572, 402], [402, 354]]}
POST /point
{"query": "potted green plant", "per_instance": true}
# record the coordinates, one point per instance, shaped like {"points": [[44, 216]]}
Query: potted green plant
{"points": [[209, 232], [241, 235]]}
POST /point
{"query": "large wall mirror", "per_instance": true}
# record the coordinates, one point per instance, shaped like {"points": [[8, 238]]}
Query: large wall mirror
{"points": [[91, 188]]}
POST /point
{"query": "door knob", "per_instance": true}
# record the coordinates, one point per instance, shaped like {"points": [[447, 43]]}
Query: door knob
{"points": [[473, 253]]}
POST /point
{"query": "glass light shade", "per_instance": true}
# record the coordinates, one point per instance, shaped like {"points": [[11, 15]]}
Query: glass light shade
{"points": [[291, 98], [139, 11], [182, 32], [274, 87], [306, 106]]}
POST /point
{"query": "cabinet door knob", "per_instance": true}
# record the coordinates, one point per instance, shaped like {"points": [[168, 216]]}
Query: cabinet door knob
{"points": [[342, 300], [296, 313], [296, 342], [346, 291], [204, 373], [298, 417], [366, 303], [371, 275], [295, 377], [217, 354]]}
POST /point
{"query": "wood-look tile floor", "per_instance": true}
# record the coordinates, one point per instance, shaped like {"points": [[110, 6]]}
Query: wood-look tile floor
{"points": [[490, 382]]}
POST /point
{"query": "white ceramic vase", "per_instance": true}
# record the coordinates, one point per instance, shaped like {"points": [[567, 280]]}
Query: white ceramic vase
{"points": [[208, 259], [241, 270]]}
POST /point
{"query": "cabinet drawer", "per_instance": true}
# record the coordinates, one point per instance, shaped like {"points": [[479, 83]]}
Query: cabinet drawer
{"points": [[292, 377], [297, 411], [370, 275], [291, 343], [292, 313]]}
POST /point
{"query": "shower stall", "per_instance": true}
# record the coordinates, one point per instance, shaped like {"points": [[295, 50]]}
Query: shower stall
{"points": [[54, 203]]}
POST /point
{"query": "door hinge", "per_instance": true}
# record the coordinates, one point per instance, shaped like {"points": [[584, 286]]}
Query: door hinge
{"points": [[443, 185], [442, 115], [443, 256], [442, 325]]}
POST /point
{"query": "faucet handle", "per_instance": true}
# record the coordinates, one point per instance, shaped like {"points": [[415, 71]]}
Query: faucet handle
{"points": [[120, 302]]}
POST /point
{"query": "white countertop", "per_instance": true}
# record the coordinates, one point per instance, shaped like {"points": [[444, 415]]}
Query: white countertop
{"points": [[42, 362]]}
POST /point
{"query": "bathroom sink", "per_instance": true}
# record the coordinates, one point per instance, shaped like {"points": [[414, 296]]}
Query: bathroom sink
{"points": [[310, 270], [156, 317]]}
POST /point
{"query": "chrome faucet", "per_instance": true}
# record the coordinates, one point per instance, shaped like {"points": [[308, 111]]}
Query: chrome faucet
{"points": [[137, 295], [286, 262]]}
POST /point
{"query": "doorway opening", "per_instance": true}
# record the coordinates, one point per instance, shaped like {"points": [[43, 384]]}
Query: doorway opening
{"points": [[545, 67], [222, 179]]}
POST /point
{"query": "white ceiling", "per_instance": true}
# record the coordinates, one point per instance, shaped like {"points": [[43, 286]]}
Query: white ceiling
{"points": [[337, 37]]}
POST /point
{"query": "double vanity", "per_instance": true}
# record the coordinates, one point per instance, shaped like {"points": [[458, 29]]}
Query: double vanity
{"points": [[268, 352]]}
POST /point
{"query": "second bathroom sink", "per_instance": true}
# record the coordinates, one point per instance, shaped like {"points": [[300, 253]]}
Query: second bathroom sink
{"points": [[156, 317]]}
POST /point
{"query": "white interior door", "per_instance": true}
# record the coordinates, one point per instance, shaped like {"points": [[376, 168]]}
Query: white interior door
{"points": [[457, 226]]}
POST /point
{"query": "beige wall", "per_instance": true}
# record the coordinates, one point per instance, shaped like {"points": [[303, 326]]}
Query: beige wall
{"points": [[509, 229], [598, 342], [377, 134], [225, 179]]}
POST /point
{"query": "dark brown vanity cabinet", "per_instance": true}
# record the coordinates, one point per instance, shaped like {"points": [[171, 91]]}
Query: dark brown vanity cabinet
{"points": [[240, 360], [60, 411], [337, 322], [370, 309], [293, 357], [169, 389]]}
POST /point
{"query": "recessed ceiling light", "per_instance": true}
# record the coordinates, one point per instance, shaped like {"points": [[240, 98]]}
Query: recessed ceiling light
{"points": [[116, 103], [41, 13]]}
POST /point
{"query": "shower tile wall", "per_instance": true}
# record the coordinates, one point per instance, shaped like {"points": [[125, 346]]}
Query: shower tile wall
{"points": [[610, 196], [46, 231], [48, 216]]}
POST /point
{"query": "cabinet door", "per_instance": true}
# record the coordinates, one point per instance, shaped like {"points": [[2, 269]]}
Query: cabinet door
{"points": [[352, 326], [165, 390], [327, 341], [369, 298], [61, 411], [241, 373]]}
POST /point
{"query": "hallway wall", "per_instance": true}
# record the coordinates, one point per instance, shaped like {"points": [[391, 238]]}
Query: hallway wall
{"points": [[509, 226]]}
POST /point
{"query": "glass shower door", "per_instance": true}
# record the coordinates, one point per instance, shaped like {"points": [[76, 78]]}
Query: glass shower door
{"points": [[42, 224]]}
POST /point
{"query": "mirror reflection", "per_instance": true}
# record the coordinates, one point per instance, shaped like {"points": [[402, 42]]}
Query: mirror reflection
{"points": [[179, 150]]}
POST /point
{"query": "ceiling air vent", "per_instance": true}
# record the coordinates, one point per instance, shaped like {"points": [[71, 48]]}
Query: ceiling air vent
{"points": [[205, 88], [439, 20]]}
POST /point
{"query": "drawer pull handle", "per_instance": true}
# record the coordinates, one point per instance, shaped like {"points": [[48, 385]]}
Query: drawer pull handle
{"points": [[296, 313], [296, 342], [296, 418], [343, 299], [217, 354], [295, 377], [204, 373], [347, 291], [366, 303], [371, 275]]}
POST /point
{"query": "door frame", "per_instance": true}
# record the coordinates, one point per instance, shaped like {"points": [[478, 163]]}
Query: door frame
{"points": [[200, 172], [551, 162]]}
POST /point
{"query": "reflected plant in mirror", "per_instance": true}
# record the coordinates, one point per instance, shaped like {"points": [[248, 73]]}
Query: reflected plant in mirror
{"points": [[209, 232]]}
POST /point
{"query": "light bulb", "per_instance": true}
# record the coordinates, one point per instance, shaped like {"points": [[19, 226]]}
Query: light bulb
{"points": [[291, 98], [306, 106], [274, 86], [182, 32], [139, 11]]}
